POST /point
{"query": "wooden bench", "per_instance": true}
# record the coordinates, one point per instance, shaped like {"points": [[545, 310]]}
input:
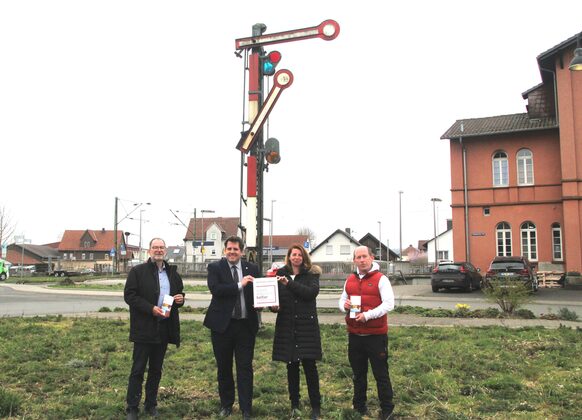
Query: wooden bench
{"points": [[549, 278]]}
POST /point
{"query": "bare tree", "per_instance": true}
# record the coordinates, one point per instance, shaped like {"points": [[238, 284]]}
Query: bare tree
{"points": [[307, 232], [7, 226]]}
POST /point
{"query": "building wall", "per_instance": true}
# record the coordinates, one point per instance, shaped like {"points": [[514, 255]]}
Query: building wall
{"points": [[570, 114], [539, 203], [336, 242]]}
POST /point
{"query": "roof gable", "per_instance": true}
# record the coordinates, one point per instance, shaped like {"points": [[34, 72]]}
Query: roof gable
{"points": [[104, 240], [337, 232]]}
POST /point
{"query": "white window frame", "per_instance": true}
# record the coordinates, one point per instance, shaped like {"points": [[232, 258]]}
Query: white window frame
{"points": [[500, 166], [503, 242], [529, 242], [525, 169], [329, 250], [557, 251], [345, 250]]}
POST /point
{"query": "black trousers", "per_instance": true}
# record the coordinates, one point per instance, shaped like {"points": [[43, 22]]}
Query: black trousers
{"points": [[153, 356], [237, 340], [372, 348], [311, 377]]}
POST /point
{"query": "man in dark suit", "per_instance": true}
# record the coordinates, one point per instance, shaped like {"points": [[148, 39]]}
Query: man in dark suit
{"points": [[233, 322], [152, 325]]}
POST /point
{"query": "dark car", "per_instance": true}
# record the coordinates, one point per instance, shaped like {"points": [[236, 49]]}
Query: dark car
{"points": [[455, 275], [518, 269]]}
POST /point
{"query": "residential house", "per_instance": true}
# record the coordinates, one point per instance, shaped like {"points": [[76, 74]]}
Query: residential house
{"points": [[281, 244], [175, 254], [444, 245], [91, 249], [212, 231], [516, 183], [415, 255], [339, 246], [41, 256], [372, 242]]}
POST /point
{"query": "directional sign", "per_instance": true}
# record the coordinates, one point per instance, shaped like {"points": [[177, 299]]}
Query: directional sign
{"points": [[283, 79], [112, 252]]}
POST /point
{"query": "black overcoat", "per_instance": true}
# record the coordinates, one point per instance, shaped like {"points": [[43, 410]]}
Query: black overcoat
{"points": [[142, 289], [297, 334]]}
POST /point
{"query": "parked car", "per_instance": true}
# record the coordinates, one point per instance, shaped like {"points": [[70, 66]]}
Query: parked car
{"points": [[88, 271], [455, 275], [518, 269], [4, 269]]}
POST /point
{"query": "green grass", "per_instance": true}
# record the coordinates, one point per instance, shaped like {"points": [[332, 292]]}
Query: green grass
{"points": [[68, 368]]}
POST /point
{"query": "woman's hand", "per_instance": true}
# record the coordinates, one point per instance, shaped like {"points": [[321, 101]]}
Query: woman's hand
{"points": [[283, 280]]}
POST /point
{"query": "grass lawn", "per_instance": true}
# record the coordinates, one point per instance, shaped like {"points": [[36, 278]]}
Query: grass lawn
{"points": [[65, 368]]}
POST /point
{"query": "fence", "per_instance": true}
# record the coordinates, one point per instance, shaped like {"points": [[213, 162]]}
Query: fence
{"points": [[330, 270]]}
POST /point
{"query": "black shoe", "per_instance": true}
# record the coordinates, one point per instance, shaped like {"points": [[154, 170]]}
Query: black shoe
{"points": [[315, 413], [132, 414], [152, 411], [387, 415], [225, 412], [246, 415], [363, 411]]}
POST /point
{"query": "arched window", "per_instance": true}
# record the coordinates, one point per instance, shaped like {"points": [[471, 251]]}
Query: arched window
{"points": [[529, 246], [557, 242], [500, 170], [503, 234], [525, 174]]}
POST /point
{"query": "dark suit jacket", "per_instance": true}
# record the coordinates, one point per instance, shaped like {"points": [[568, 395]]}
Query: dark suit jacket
{"points": [[224, 292]]}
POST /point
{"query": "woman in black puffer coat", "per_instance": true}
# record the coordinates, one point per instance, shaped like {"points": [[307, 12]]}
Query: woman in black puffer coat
{"points": [[297, 339]]}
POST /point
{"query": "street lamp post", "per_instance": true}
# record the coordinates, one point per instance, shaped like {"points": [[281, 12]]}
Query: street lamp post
{"points": [[434, 201], [400, 217], [380, 240], [203, 233]]}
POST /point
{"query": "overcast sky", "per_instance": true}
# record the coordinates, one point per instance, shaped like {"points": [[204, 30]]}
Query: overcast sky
{"points": [[142, 100]]}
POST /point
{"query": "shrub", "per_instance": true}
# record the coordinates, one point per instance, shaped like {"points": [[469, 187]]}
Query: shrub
{"points": [[567, 315], [9, 403], [508, 294], [104, 309], [66, 282], [525, 314], [486, 313]]}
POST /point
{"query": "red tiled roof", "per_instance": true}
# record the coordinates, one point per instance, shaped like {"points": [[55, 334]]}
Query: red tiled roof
{"points": [[228, 225], [285, 241], [71, 240]]}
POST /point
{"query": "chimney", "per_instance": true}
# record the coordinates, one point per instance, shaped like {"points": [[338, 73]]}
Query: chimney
{"points": [[102, 230], [348, 231]]}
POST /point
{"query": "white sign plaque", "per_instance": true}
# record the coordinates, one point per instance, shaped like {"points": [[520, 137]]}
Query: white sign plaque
{"points": [[265, 292]]}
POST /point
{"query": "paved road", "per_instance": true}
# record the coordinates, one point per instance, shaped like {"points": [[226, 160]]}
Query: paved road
{"points": [[29, 300]]}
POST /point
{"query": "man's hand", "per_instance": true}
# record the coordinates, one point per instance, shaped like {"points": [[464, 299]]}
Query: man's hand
{"points": [[347, 304], [274, 308], [179, 299], [246, 280], [360, 317], [157, 311]]}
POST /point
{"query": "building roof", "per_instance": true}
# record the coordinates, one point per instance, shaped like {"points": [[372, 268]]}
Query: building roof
{"points": [[103, 239], [284, 241], [340, 232], [546, 59], [228, 226], [501, 124], [371, 238]]}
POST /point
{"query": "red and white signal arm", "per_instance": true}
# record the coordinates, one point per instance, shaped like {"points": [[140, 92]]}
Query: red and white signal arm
{"points": [[326, 30]]}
